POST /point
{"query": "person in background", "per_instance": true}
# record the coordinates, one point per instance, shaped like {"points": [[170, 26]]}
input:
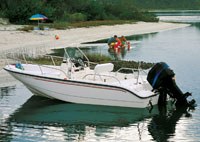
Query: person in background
{"points": [[111, 41], [117, 43], [123, 41]]}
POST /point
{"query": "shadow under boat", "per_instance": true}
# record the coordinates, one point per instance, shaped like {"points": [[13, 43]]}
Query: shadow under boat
{"points": [[39, 110]]}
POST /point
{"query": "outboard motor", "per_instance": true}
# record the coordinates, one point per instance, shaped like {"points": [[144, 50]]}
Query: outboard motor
{"points": [[161, 78]]}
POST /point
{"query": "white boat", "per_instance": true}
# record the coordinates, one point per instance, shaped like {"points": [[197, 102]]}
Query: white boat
{"points": [[76, 82]]}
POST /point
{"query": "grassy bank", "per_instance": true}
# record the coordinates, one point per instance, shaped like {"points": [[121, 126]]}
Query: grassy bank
{"points": [[66, 25], [94, 58]]}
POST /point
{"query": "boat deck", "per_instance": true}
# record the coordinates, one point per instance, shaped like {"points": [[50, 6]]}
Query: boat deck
{"points": [[129, 81]]}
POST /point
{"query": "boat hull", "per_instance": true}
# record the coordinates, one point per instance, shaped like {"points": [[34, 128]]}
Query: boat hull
{"points": [[83, 92]]}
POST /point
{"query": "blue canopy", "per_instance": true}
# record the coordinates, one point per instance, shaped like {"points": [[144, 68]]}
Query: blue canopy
{"points": [[38, 17]]}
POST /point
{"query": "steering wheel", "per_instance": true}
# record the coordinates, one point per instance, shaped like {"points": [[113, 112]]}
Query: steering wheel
{"points": [[78, 62], [81, 63]]}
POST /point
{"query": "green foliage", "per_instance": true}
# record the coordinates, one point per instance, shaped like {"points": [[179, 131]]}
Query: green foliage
{"points": [[60, 25], [97, 58], [131, 64], [77, 17], [2, 13], [20, 11], [95, 11], [99, 22], [26, 28], [45, 60], [168, 4]]}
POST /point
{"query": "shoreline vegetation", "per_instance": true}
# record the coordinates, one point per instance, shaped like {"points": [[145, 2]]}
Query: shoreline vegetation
{"points": [[73, 11], [83, 24], [93, 58], [68, 13]]}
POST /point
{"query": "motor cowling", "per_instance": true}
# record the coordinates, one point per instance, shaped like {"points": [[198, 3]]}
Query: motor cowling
{"points": [[161, 78], [158, 73]]}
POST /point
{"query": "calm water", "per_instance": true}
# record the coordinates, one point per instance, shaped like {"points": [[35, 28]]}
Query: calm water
{"points": [[24, 117], [188, 16]]}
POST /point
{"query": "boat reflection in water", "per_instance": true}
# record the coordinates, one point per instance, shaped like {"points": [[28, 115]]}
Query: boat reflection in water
{"points": [[60, 121], [162, 126], [39, 109]]}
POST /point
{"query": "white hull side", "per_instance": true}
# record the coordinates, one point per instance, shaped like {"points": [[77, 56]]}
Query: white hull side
{"points": [[84, 93]]}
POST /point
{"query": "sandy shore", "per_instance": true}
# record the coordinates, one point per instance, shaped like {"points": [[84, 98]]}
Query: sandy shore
{"points": [[11, 39]]}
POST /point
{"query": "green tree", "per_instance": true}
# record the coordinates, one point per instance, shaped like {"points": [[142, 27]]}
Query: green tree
{"points": [[95, 10], [21, 10]]}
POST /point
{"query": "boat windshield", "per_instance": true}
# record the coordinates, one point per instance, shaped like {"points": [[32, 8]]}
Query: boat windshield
{"points": [[74, 53]]}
